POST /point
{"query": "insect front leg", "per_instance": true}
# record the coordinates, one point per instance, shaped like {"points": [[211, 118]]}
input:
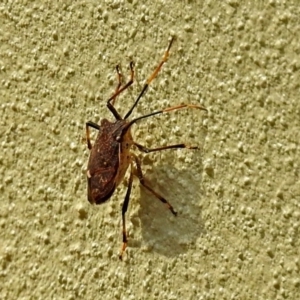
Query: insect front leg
{"points": [[120, 77], [120, 90], [124, 210], [87, 128], [144, 184]]}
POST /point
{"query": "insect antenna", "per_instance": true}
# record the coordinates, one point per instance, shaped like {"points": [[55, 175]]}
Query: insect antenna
{"points": [[149, 80], [166, 110]]}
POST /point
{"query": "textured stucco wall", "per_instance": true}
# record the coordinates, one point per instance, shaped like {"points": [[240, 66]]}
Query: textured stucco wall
{"points": [[237, 232]]}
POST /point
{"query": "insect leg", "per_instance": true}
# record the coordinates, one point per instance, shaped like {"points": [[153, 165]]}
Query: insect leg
{"points": [[144, 184], [119, 91], [150, 79], [177, 146], [124, 210], [87, 126], [120, 77]]}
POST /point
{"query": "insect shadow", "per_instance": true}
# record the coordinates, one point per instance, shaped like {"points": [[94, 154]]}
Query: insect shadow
{"points": [[160, 232]]}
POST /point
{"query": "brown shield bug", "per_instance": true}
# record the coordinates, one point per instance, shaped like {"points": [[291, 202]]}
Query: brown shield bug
{"points": [[110, 156]]}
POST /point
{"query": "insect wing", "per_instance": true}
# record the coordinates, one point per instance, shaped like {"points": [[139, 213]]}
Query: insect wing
{"points": [[103, 165]]}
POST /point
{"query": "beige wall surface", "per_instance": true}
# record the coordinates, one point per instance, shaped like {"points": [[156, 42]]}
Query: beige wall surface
{"points": [[236, 235]]}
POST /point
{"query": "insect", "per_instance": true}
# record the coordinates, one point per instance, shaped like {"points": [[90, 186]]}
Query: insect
{"points": [[110, 156]]}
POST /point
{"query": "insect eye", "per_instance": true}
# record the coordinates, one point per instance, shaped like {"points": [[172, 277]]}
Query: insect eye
{"points": [[118, 138]]}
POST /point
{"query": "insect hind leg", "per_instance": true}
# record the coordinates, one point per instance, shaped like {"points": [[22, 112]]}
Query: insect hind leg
{"points": [[144, 184], [124, 210]]}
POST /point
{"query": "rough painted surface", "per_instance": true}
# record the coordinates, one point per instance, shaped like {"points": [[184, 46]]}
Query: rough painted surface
{"points": [[237, 232]]}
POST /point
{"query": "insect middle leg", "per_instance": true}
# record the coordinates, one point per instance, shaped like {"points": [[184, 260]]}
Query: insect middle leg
{"points": [[119, 90], [144, 184], [177, 146]]}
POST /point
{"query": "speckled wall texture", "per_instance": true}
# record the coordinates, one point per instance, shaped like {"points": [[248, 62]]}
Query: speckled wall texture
{"points": [[236, 235]]}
